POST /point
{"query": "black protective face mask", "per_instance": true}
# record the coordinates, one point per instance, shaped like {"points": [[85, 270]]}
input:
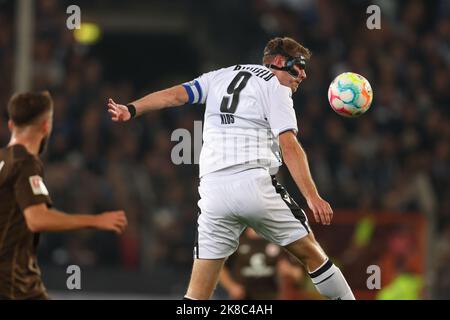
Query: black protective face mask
{"points": [[290, 64]]}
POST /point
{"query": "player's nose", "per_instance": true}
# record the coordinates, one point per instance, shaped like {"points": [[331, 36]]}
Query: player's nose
{"points": [[302, 74]]}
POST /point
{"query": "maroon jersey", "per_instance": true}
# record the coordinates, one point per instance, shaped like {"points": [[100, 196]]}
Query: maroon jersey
{"points": [[254, 265], [21, 186]]}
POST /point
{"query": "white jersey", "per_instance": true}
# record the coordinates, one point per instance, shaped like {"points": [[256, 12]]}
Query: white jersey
{"points": [[246, 109]]}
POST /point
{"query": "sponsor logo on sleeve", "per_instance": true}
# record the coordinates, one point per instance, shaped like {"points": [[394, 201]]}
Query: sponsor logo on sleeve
{"points": [[38, 186]]}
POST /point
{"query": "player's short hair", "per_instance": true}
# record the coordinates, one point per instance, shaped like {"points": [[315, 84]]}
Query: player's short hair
{"points": [[284, 46], [25, 108]]}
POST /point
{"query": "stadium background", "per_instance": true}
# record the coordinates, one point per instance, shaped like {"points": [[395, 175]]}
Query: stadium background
{"points": [[386, 173]]}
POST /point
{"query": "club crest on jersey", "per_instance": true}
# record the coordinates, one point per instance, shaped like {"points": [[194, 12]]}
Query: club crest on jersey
{"points": [[38, 186]]}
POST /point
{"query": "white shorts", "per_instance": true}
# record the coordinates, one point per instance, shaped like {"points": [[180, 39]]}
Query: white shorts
{"points": [[251, 198]]}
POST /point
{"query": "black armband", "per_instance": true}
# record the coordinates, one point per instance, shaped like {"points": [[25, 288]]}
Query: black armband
{"points": [[131, 110]]}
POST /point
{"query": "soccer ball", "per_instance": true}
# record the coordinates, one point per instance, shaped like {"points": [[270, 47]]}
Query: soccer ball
{"points": [[350, 94]]}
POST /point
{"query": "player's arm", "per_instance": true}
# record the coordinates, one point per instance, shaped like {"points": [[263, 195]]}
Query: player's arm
{"points": [[235, 290], [297, 162], [171, 97], [287, 269], [40, 218]]}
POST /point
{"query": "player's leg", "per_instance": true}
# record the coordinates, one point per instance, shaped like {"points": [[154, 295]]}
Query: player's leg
{"points": [[217, 237], [327, 278], [283, 222], [204, 278], [308, 251]]}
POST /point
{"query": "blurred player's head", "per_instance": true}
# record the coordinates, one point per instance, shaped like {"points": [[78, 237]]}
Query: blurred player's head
{"points": [[32, 114], [287, 59]]}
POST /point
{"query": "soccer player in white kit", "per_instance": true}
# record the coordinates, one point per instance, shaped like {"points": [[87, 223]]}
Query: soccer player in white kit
{"points": [[249, 117]]}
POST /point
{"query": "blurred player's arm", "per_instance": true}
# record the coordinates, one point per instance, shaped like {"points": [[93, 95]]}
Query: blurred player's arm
{"points": [[287, 269], [234, 289], [40, 218], [297, 162], [171, 97]]}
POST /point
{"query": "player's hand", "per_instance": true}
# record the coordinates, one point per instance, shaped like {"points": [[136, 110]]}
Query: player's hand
{"points": [[236, 292], [321, 209], [118, 112], [112, 221]]}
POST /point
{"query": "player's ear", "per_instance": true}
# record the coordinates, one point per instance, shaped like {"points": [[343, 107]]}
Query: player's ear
{"points": [[278, 60], [10, 125], [47, 125]]}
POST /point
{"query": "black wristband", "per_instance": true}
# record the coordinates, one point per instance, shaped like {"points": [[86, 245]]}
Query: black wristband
{"points": [[131, 110]]}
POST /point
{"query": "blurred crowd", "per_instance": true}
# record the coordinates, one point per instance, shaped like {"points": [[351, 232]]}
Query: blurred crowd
{"points": [[394, 158]]}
